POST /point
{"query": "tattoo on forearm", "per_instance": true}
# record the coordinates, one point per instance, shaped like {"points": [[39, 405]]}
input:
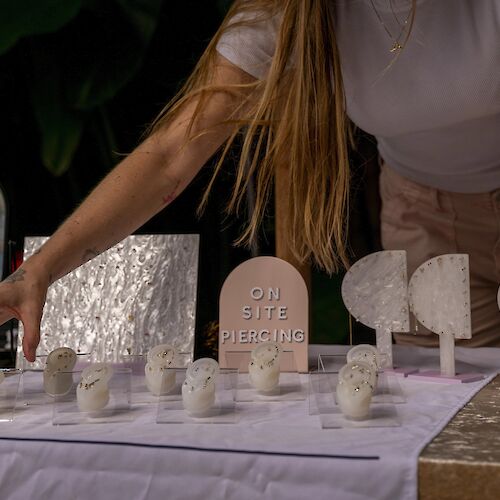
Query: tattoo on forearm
{"points": [[16, 276], [171, 197], [89, 254]]}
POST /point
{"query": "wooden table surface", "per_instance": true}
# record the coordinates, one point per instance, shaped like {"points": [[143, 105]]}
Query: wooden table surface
{"points": [[463, 461]]}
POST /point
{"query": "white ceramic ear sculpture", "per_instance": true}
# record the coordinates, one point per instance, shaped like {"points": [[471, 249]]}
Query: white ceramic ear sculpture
{"points": [[198, 396], [198, 390], [57, 376], [374, 291], [203, 368], [160, 378], [355, 389], [354, 400], [439, 296], [264, 366], [92, 393], [101, 371], [356, 372], [365, 352], [162, 354]]}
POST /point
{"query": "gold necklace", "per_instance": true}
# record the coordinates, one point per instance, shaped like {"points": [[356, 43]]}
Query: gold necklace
{"points": [[397, 44]]}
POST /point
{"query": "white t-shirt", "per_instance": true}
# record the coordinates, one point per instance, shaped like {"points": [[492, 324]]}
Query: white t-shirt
{"points": [[436, 111]]}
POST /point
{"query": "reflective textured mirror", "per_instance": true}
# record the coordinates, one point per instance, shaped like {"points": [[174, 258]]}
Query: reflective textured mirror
{"points": [[137, 294], [374, 291]]}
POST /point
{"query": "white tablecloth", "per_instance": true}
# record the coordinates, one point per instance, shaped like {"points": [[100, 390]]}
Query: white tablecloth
{"points": [[276, 450]]}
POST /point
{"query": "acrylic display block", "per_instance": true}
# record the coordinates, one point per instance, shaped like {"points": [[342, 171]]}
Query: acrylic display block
{"points": [[31, 390], [290, 387], [331, 362], [83, 359], [9, 389], [67, 412], [171, 408], [334, 362], [320, 393], [140, 393], [388, 388], [322, 402]]}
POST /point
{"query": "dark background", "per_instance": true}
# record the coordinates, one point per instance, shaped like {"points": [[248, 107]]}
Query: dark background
{"points": [[40, 197]]}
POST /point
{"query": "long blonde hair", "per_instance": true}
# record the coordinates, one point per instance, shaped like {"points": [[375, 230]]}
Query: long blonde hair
{"points": [[294, 119]]}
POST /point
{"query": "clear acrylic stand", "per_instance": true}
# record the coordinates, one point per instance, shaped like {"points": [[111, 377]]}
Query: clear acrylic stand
{"points": [[331, 362], [388, 388], [31, 391], [67, 412], [171, 409], [322, 402], [290, 388], [9, 389], [321, 399], [140, 394], [82, 360], [334, 362]]}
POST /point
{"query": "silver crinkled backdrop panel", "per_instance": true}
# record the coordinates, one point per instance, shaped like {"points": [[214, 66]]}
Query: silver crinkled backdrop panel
{"points": [[136, 294]]}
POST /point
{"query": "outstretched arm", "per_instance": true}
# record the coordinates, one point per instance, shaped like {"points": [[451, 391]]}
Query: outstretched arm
{"points": [[150, 178]]}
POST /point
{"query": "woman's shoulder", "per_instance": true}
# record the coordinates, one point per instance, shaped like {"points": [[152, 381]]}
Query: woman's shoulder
{"points": [[249, 41]]}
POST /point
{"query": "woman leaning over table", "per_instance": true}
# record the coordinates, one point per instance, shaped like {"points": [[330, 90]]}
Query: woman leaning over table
{"points": [[293, 77]]}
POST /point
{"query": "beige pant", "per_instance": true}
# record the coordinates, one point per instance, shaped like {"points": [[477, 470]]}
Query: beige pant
{"points": [[427, 222]]}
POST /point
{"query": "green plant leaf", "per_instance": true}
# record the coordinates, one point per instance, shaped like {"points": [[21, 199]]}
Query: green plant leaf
{"points": [[107, 48], [60, 127], [82, 66], [19, 18]]}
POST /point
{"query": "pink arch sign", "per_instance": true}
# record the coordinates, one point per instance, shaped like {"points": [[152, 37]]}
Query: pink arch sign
{"points": [[264, 298]]}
